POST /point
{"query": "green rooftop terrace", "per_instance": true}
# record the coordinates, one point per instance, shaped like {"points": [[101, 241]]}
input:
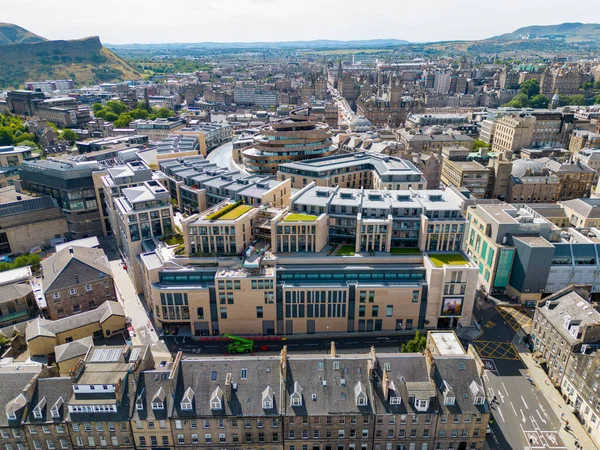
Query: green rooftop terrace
{"points": [[450, 259], [405, 251], [236, 212], [299, 218]]}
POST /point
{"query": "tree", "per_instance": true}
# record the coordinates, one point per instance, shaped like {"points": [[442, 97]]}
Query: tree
{"points": [[117, 106], [539, 101], [139, 113], [530, 88], [29, 144], [111, 116], [69, 135], [597, 100], [572, 100], [519, 101], [6, 136], [415, 345], [479, 144], [597, 85], [123, 121], [97, 107], [587, 85], [163, 113]]}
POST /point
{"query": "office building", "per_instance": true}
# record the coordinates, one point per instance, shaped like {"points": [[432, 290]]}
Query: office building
{"points": [[362, 169], [70, 184], [296, 138], [459, 172], [157, 129]]}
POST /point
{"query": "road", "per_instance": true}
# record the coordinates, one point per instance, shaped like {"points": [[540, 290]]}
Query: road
{"points": [[223, 158], [346, 113], [134, 305], [522, 415], [351, 344]]}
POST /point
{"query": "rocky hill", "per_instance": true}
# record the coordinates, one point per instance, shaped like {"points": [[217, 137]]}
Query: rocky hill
{"points": [[14, 34], [84, 60], [568, 32]]}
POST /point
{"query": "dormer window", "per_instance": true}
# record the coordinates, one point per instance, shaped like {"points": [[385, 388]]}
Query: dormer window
{"points": [[567, 322], [157, 405], [11, 415], [296, 397], [216, 399], [139, 406], [267, 398], [449, 401], [479, 401], [395, 400], [421, 405], [360, 394], [55, 410]]}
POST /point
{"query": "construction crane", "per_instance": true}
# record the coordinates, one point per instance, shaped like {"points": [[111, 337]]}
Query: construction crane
{"points": [[239, 344]]}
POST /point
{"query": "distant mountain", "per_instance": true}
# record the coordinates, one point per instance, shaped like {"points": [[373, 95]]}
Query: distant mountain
{"points": [[14, 34], [315, 44], [83, 60], [568, 32]]}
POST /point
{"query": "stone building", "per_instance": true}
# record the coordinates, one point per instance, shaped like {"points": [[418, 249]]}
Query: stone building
{"points": [[75, 280]]}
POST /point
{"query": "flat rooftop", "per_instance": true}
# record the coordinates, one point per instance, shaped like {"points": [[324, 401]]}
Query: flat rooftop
{"points": [[447, 343], [292, 217], [448, 259]]}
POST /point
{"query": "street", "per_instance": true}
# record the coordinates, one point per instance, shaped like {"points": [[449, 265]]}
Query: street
{"points": [[351, 344], [522, 415], [221, 156]]}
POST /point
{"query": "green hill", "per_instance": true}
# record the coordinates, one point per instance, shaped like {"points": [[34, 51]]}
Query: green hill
{"points": [[14, 34], [568, 32], [86, 61]]}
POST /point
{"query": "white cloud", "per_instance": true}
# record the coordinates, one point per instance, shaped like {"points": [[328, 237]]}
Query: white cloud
{"points": [[126, 21]]}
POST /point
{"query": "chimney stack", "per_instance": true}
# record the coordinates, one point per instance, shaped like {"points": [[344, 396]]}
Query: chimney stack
{"points": [[228, 387], [333, 350]]}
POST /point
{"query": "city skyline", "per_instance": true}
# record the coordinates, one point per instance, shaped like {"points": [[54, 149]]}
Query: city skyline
{"points": [[233, 20]]}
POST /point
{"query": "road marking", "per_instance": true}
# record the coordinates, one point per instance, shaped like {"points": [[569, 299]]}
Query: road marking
{"points": [[502, 416], [541, 418], [526, 407], [505, 390], [522, 415], [513, 407]]}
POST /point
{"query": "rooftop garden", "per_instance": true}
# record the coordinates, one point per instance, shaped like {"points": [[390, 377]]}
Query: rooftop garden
{"points": [[230, 212], [405, 251], [346, 250], [450, 259], [299, 218]]}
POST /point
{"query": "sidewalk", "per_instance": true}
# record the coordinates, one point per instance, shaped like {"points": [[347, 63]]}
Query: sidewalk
{"points": [[555, 399]]}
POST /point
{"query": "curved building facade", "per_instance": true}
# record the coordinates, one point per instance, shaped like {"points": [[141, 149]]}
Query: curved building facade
{"points": [[297, 137]]}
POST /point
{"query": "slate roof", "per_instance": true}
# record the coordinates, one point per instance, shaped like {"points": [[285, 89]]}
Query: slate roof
{"points": [[50, 328], [14, 291], [68, 261], [50, 391], [73, 349], [337, 394], [586, 207], [261, 372], [460, 373], [13, 382], [150, 382]]}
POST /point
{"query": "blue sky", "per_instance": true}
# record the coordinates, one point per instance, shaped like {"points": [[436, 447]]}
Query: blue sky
{"points": [[155, 21]]}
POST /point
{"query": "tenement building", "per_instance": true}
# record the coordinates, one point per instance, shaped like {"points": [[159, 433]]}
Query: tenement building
{"points": [[335, 260], [298, 137], [116, 398]]}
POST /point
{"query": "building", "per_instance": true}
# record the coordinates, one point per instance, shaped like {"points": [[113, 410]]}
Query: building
{"points": [[511, 134], [209, 135], [581, 139], [50, 85], [29, 222], [362, 169], [76, 279], [11, 156], [564, 324], [582, 212], [296, 138], [70, 183], [591, 158], [144, 213], [386, 230], [43, 335], [23, 103], [17, 302], [575, 179], [562, 81], [458, 172], [427, 120], [116, 397], [531, 182], [159, 128], [432, 140]]}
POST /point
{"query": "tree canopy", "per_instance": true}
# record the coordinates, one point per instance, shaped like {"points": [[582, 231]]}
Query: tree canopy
{"points": [[539, 101], [530, 88], [519, 101], [69, 135], [572, 100], [415, 345]]}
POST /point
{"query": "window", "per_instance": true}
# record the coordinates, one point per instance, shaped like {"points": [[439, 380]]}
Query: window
{"points": [[73, 291], [56, 295], [88, 288], [180, 439], [259, 312], [165, 440], [207, 439], [222, 439], [194, 439], [389, 311]]}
